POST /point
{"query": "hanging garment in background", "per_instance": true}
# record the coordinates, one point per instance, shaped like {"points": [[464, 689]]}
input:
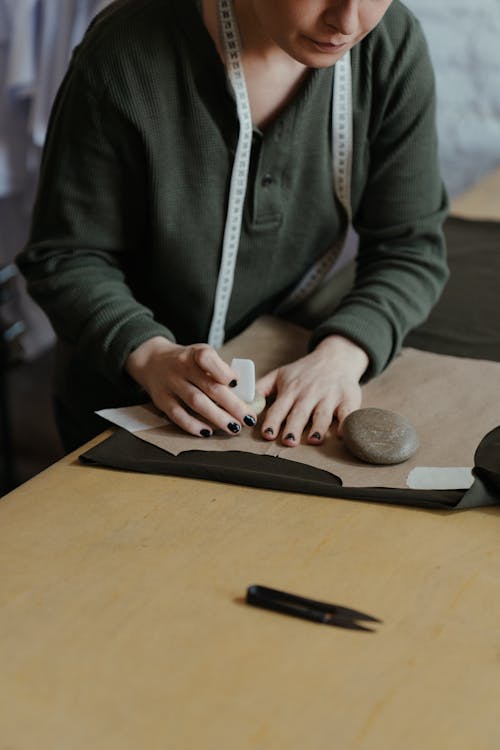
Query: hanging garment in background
{"points": [[37, 37], [63, 24], [36, 41]]}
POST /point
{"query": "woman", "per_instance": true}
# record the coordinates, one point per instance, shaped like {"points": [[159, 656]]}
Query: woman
{"points": [[187, 187]]}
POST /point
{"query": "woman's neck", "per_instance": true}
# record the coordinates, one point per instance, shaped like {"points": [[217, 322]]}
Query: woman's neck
{"points": [[255, 43], [273, 78]]}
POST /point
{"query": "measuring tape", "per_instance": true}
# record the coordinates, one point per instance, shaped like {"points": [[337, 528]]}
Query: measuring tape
{"points": [[342, 140]]}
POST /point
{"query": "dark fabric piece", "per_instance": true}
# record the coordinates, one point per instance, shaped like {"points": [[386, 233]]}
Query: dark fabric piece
{"points": [[465, 322], [487, 461], [124, 451]]}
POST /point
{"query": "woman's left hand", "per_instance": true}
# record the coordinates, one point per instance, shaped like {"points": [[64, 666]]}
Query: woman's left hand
{"points": [[313, 390]]}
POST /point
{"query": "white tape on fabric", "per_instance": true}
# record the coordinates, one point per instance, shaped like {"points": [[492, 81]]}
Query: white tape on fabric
{"points": [[342, 146], [440, 478]]}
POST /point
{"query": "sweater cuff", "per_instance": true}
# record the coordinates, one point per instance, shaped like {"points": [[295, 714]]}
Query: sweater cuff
{"points": [[368, 329], [131, 335]]}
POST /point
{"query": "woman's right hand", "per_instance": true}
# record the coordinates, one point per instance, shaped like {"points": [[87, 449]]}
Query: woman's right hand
{"points": [[191, 385]]}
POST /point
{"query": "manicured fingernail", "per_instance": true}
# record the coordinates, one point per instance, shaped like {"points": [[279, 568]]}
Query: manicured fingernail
{"points": [[250, 421], [316, 436], [269, 431], [233, 427], [205, 433], [233, 383], [290, 436]]}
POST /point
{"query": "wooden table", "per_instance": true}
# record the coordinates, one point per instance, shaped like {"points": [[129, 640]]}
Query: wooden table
{"points": [[122, 623]]}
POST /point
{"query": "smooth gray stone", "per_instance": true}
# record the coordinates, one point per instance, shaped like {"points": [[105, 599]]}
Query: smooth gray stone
{"points": [[379, 436]]}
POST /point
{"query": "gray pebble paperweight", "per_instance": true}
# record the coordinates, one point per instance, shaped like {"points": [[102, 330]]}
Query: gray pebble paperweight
{"points": [[379, 436]]}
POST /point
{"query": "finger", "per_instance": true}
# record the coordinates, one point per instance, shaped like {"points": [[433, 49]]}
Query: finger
{"points": [[275, 416], [295, 423], [204, 407], [267, 384], [208, 361], [349, 403], [224, 397], [272, 422], [190, 423], [321, 421]]}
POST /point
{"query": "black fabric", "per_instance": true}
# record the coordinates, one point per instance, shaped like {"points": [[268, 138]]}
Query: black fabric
{"points": [[464, 323], [466, 320], [124, 451], [487, 462]]}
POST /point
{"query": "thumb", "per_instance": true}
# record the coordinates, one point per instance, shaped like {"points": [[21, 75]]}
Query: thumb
{"points": [[267, 384]]}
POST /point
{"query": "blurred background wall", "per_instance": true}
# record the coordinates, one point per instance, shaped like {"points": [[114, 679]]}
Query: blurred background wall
{"points": [[36, 41], [464, 41]]}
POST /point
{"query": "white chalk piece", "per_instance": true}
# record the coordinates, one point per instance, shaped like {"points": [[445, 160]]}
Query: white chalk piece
{"points": [[245, 375], [440, 478]]}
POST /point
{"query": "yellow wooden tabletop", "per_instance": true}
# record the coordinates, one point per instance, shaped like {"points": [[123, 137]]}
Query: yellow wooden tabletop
{"points": [[122, 622]]}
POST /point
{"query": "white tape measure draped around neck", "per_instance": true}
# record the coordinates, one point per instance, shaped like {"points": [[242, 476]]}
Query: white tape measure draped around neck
{"points": [[342, 164]]}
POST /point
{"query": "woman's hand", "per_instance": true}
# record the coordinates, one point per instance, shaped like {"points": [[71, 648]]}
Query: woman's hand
{"points": [[191, 385], [313, 390]]}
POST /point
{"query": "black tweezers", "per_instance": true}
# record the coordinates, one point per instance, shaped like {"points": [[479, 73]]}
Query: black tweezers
{"points": [[308, 609]]}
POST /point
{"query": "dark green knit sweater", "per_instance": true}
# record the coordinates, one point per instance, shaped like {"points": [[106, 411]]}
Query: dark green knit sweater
{"points": [[127, 229]]}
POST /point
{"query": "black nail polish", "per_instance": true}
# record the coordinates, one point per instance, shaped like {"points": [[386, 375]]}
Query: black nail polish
{"points": [[269, 431], [205, 433], [233, 427], [233, 383], [250, 421], [290, 436], [316, 436]]}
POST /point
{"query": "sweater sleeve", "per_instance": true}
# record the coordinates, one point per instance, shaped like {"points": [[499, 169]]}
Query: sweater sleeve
{"points": [[401, 264], [89, 223]]}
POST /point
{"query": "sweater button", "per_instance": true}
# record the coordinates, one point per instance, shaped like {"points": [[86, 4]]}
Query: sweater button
{"points": [[267, 180]]}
